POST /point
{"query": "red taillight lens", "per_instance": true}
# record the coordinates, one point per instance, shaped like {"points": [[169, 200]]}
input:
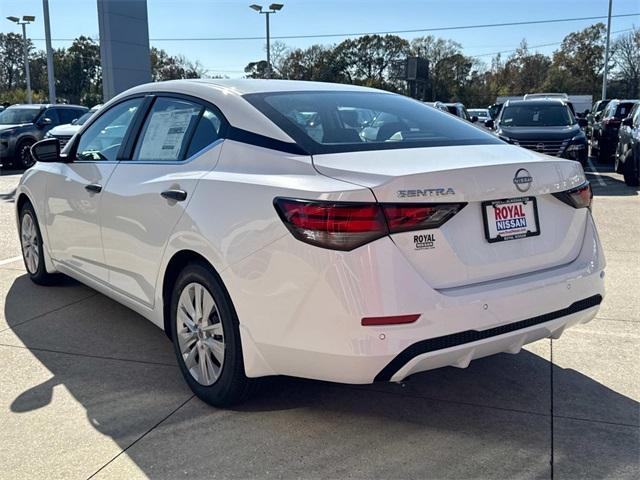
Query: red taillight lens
{"points": [[579, 197], [406, 217], [335, 225], [346, 225]]}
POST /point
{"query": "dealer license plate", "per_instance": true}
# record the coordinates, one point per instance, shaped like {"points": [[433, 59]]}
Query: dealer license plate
{"points": [[510, 219]]}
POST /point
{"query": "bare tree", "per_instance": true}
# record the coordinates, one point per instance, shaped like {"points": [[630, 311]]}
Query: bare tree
{"points": [[626, 55]]}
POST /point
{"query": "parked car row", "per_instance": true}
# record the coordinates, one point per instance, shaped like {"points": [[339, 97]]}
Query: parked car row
{"points": [[627, 156], [605, 127], [23, 125]]}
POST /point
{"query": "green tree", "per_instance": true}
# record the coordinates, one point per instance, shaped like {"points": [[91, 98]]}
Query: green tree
{"points": [[168, 67], [577, 65], [11, 61]]}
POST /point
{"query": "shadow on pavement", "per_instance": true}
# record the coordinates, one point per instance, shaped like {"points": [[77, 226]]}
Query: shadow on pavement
{"points": [[489, 420]]}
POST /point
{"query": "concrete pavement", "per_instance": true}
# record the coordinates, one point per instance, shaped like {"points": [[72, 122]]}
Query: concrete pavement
{"points": [[90, 389]]}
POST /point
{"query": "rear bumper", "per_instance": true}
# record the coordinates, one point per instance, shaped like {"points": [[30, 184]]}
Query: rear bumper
{"points": [[458, 349], [300, 310]]}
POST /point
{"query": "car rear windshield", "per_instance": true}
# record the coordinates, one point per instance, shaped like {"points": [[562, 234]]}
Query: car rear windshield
{"points": [[14, 116], [334, 121], [536, 116]]}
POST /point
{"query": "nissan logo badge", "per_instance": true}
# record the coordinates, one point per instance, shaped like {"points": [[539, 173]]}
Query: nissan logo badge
{"points": [[522, 180]]}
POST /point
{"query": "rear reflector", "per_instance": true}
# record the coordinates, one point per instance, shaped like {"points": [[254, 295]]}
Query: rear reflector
{"points": [[395, 320], [579, 197], [348, 225]]}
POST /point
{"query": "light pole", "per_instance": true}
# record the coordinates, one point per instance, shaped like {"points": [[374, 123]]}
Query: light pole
{"points": [[606, 55], [26, 20], [273, 8], [47, 36]]}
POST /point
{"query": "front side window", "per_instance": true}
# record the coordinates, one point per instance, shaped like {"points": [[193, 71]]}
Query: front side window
{"points": [[536, 116], [334, 121], [16, 116], [102, 140], [167, 130]]}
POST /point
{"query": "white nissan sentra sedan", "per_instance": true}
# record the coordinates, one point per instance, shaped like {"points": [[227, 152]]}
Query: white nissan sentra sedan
{"points": [[322, 231]]}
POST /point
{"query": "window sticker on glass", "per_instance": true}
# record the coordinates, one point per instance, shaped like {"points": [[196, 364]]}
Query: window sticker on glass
{"points": [[164, 134]]}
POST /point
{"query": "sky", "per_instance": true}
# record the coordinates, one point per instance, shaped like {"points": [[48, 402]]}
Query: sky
{"points": [[171, 19]]}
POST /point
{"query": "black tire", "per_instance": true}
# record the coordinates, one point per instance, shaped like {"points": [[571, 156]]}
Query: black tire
{"points": [[631, 178], [232, 385], [24, 159], [617, 165], [37, 274], [602, 155]]}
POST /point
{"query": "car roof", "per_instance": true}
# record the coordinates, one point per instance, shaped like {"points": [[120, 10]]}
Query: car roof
{"points": [[245, 86], [40, 106], [227, 95], [538, 102]]}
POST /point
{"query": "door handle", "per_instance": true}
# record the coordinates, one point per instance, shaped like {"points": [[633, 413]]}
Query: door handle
{"points": [[93, 188], [177, 195]]}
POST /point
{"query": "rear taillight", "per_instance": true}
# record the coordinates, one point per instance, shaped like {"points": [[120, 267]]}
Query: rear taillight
{"points": [[405, 217], [348, 225], [579, 197], [335, 225]]}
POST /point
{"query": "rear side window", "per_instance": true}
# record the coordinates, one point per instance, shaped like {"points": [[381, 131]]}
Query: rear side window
{"points": [[207, 131], [68, 115], [52, 114], [167, 130], [334, 121], [623, 110]]}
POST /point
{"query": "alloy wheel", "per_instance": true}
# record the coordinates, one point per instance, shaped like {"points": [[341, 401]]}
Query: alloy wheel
{"points": [[200, 334], [30, 243]]}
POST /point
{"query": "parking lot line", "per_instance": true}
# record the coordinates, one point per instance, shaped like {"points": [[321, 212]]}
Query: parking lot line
{"points": [[6, 261], [595, 172]]}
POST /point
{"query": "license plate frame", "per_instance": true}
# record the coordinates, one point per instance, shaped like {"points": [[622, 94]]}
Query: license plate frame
{"points": [[513, 236]]}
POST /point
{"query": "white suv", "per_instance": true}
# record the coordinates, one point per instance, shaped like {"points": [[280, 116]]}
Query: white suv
{"points": [[324, 231]]}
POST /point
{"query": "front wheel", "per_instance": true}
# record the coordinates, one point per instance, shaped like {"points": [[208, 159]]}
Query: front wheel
{"points": [[23, 154], [206, 338], [32, 248]]}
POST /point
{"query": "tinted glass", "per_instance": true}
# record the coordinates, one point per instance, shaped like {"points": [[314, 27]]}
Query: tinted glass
{"points": [[18, 115], [102, 140], [623, 109], [324, 122], [207, 132], [52, 114], [68, 115], [166, 130], [536, 116], [83, 118]]}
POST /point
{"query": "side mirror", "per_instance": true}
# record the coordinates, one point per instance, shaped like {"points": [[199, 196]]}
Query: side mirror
{"points": [[597, 117], [627, 122], [474, 118], [74, 121], [583, 122], [489, 123], [47, 150]]}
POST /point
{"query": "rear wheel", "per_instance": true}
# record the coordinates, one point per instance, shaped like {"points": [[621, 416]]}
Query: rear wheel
{"points": [[206, 338], [23, 154], [32, 248]]}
